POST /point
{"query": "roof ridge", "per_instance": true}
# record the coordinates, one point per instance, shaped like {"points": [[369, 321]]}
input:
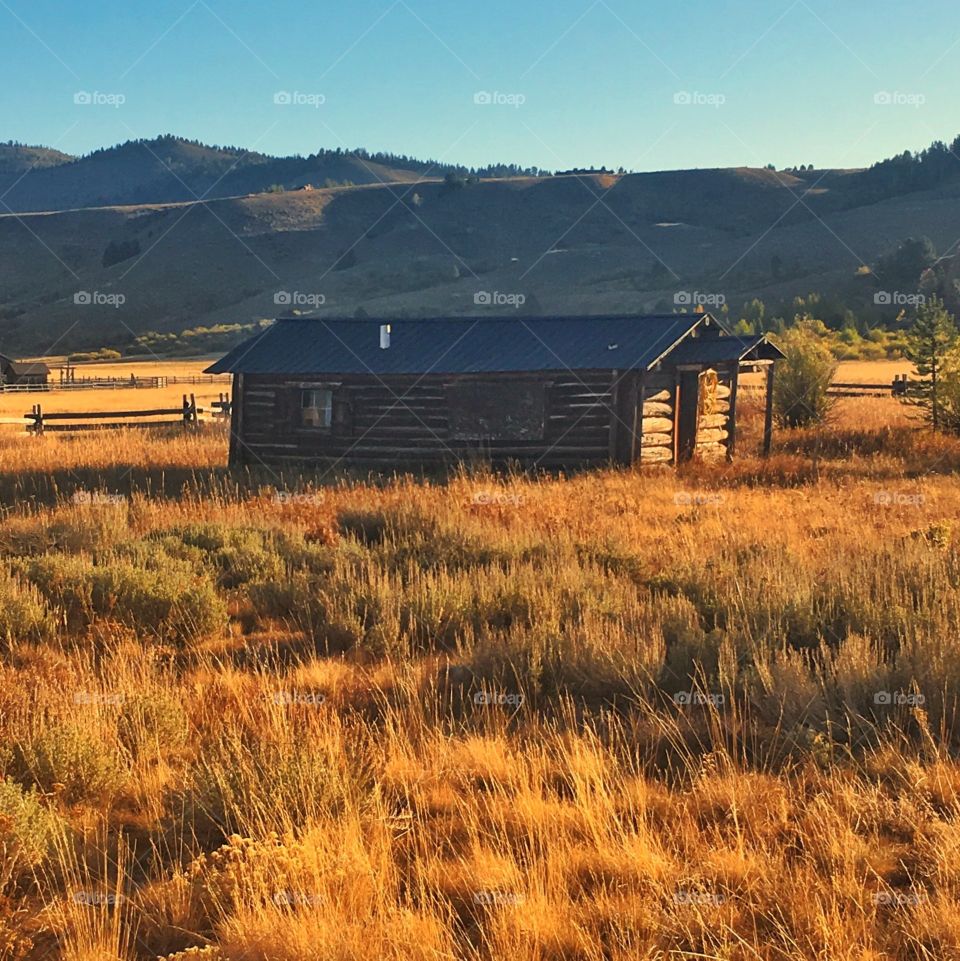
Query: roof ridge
{"points": [[492, 317]]}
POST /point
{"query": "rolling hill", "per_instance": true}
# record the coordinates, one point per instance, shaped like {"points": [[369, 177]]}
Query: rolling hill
{"points": [[171, 170], [19, 159], [407, 246]]}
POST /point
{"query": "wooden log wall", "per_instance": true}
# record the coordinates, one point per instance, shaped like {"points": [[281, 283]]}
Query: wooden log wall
{"points": [[659, 421], [656, 445], [403, 421], [713, 425]]}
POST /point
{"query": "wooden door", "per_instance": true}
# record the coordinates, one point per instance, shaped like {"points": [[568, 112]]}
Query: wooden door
{"points": [[688, 413]]}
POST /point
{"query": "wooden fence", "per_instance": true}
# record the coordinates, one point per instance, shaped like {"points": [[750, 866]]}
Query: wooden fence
{"points": [[187, 416], [201, 379], [898, 387], [91, 383], [114, 383]]}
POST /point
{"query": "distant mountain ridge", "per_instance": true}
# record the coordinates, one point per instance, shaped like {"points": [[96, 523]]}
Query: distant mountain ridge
{"points": [[18, 158], [171, 169]]}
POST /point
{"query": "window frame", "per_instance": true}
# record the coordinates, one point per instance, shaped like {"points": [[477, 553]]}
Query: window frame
{"points": [[339, 403], [326, 408], [496, 387]]}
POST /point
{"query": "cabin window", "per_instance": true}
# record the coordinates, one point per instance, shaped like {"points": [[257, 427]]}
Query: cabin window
{"points": [[316, 408], [497, 410]]}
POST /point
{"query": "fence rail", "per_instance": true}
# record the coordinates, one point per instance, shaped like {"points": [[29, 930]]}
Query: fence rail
{"points": [[187, 416], [201, 379], [115, 383], [92, 383], [898, 387]]}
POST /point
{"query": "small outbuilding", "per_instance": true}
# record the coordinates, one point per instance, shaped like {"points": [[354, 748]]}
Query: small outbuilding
{"points": [[545, 392], [22, 373]]}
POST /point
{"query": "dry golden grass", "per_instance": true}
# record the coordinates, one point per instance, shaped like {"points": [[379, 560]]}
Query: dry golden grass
{"points": [[16, 403], [262, 719]]}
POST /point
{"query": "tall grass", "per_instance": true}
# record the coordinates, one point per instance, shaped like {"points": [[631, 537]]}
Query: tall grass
{"points": [[710, 713]]}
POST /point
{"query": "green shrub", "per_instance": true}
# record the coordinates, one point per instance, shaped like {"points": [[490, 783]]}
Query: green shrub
{"points": [[65, 582], [803, 377], [169, 599], [91, 527], [76, 761], [23, 613], [104, 353], [152, 724], [238, 554], [28, 829], [416, 608], [292, 776], [401, 536]]}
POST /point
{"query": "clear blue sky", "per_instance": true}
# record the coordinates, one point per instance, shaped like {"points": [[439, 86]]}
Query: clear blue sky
{"points": [[784, 82]]}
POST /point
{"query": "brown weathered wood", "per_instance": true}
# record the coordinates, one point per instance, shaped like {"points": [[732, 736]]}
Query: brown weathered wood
{"points": [[100, 414], [406, 419], [658, 425], [709, 452], [640, 426], [234, 457], [632, 418], [659, 396], [660, 380], [711, 436], [624, 420], [112, 425], [688, 401], [614, 433], [768, 414], [709, 421], [480, 409], [676, 417], [732, 415], [656, 455]]}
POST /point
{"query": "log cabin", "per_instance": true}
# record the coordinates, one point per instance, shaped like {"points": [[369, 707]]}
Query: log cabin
{"points": [[539, 392], [22, 373]]}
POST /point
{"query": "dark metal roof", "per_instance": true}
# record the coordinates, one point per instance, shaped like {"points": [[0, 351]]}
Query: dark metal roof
{"points": [[22, 369], [719, 350], [461, 345]]}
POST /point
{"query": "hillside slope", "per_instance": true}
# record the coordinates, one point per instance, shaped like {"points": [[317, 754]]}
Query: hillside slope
{"points": [[168, 170], [19, 159], [577, 243]]}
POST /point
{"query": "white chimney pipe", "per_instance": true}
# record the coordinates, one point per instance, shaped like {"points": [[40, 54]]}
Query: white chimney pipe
{"points": [[384, 336]]}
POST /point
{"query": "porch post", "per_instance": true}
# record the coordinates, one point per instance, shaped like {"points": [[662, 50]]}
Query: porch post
{"points": [[236, 423], [768, 416], [732, 416]]}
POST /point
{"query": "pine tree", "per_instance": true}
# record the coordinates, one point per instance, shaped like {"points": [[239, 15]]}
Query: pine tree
{"points": [[929, 340]]}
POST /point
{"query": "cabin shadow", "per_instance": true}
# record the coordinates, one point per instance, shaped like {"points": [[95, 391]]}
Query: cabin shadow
{"points": [[83, 484], [88, 484]]}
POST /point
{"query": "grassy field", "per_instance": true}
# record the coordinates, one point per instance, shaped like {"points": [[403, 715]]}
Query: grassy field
{"points": [[699, 714], [15, 404]]}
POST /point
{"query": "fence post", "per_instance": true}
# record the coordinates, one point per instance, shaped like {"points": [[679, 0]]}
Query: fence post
{"points": [[37, 420], [186, 412]]}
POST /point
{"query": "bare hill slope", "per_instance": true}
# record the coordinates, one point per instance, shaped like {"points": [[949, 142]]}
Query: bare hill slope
{"points": [[575, 243]]}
